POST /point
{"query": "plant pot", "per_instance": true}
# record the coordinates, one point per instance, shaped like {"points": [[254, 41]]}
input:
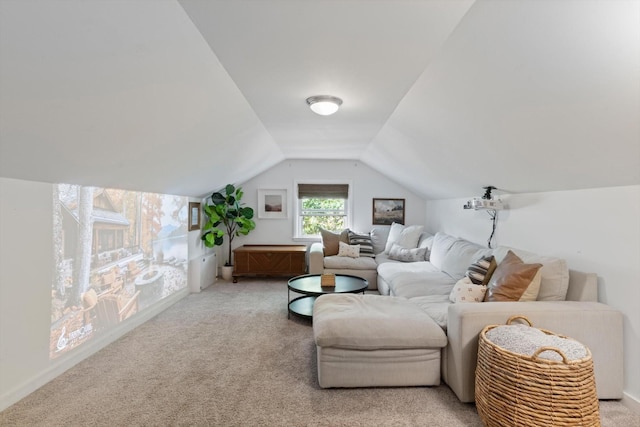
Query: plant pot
{"points": [[227, 272]]}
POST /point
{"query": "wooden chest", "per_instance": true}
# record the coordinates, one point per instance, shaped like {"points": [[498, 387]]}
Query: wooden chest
{"points": [[269, 260]]}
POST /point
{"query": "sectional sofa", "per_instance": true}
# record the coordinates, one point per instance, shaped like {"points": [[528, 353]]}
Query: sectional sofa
{"points": [[566, 301]]}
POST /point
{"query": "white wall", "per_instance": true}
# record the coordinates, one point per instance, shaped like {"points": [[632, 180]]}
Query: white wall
{"points": [[596, 230], [367, 184], [26, 266]]}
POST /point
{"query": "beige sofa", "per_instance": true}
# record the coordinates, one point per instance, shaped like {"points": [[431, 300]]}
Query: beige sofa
{"points": [[567, 305]]}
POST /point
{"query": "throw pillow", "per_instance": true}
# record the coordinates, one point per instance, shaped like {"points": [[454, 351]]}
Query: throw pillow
{"points": [[364, 240], [466, 291], [480, 271], [405, 236], [352, 251], [513, 280], [399, 253], [331, 239]]}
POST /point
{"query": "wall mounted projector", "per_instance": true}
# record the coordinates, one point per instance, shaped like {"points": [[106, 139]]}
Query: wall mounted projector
{"points": [[477, 203], [486, 202]]}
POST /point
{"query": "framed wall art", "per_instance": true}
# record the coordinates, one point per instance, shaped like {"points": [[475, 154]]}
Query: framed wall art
{"points": [[388, 211], [272, 204], [194, 216]]}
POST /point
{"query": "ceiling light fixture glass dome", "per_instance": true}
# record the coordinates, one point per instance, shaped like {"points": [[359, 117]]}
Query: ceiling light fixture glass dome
{"points": [[325, 105]]}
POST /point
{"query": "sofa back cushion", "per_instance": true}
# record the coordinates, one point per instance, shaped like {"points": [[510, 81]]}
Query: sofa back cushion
{"points": [[379, 237], [441, 244], [402, 235], [426, 241], [460, 256], [554, 274]]}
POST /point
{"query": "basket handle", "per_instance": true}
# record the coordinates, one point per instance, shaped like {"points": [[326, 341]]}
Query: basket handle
{"points": [[541, 349], [519, 316]]}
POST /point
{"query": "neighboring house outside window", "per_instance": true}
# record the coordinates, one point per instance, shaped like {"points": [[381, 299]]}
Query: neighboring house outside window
{"points": [[321, 205]]}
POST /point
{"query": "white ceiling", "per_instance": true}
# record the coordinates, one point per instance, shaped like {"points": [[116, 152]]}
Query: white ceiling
{"points": [[443, 97]]}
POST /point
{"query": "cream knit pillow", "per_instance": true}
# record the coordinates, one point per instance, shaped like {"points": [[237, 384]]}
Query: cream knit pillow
{"points": [[352, 251], [465, 291]]}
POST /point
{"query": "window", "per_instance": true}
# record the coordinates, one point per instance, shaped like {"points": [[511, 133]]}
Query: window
{"points": [[321, 206]]}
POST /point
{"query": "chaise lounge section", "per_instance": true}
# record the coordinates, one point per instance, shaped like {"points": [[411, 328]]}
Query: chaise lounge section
{"points": [[375, 341]]}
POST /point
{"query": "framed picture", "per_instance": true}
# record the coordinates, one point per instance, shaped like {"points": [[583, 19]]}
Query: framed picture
{"points": [[194, 216], [272, 204], [388, 211]]}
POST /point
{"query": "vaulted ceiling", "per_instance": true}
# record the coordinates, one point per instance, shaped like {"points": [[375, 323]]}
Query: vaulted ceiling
{"points": [[443, 97]]}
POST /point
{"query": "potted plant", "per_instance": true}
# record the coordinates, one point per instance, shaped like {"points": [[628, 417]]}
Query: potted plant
{"points": [[226, 215]]}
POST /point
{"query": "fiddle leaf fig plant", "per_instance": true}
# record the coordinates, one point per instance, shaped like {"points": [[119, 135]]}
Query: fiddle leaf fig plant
{"points": [[226, 216]]}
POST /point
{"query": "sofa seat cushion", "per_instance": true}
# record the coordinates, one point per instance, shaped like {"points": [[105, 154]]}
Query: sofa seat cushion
{"points": [[436, 306], [341, 262], [411, 285], [389, 268], [381, 258], [415, 279], [373, 322]]}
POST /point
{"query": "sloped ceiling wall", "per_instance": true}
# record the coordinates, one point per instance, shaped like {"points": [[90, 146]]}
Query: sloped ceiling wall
{"points": [[161, 96], [122, 94], [528, 96]]}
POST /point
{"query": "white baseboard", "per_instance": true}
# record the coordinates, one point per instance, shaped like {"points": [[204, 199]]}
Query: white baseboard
{"points": [[631, 402], [59, 367]]}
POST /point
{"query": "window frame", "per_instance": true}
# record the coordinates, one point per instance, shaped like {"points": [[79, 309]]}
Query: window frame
{"points": [[297, 223]]}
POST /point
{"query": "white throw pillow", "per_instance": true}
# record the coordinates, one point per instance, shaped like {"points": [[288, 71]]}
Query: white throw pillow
{"points": [[399, 253], [405, 236], [352, 251], [465, 291]]}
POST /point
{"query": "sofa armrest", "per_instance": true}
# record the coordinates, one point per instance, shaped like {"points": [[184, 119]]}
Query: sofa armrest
{"points": [[596, 325], [316, 258]]}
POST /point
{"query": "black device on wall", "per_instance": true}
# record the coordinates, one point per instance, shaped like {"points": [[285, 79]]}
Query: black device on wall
{"points": [[488, 203]]}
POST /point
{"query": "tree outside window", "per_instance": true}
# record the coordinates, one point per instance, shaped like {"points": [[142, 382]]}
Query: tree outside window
{"points": [[321, 206]]}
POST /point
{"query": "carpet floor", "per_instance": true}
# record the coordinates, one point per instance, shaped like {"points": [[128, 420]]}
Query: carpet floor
{"points": [[229, 356]]}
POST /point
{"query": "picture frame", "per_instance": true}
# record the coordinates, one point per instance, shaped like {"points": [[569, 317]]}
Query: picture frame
{"points": [[388, 211], [273, 204], [194, 216]]}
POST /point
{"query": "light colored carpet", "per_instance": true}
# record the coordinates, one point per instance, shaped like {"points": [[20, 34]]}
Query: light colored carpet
{"points": [[229, 356]]}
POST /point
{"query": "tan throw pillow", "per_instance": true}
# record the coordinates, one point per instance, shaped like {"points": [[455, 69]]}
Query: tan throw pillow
{"points": [[513, 280], [331, 240], [351, 251]]}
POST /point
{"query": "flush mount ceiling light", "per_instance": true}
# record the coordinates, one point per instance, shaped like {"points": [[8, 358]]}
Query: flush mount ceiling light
{"points": [[324, 105]]}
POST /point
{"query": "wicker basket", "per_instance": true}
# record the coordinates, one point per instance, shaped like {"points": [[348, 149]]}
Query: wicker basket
{"points": [[517, 390]]}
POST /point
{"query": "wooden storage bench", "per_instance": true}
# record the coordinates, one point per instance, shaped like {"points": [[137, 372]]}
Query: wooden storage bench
{"points": [[269, 260]]}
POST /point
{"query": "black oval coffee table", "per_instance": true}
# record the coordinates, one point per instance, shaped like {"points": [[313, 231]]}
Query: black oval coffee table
{"points": [[309, 286]]}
